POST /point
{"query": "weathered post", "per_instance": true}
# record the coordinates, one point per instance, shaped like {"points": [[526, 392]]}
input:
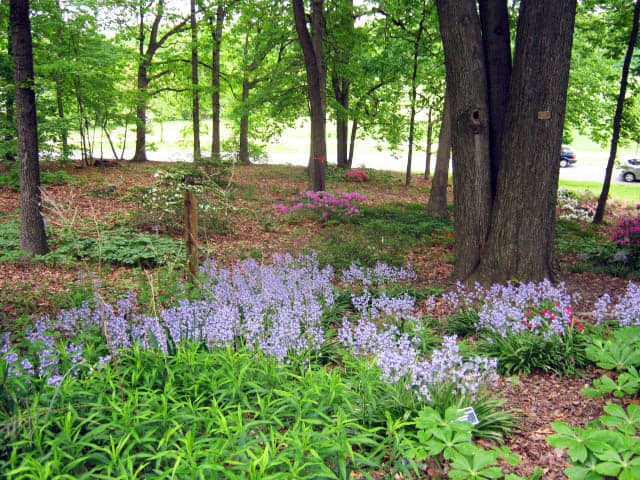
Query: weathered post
{"points": [[191, 233]]}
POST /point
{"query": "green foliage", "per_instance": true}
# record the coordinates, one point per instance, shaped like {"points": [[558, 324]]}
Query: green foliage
{"points": [[618, 352], [11, 179], [380, 233], [610, 449], [116, 247], [445, 438], [525, 352], [461, 323]]}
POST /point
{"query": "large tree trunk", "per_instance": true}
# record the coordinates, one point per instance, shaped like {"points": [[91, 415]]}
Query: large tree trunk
{"points": [[215, 82], [427, 160], [437, 204], [467, 87], [341, 92], [316, 86], [244, 124], [602, 201], [197, 154], [520, 243], [494, 20], [33, 238]]}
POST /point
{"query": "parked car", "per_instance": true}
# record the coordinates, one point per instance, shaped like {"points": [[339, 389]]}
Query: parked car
{"points": [[630, 169], [567, 156]]}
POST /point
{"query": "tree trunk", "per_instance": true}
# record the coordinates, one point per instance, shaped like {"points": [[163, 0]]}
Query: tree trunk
{"points": [[215, 82], [520, 243], [197, 154], [467, 87], [341, 92], [9, 101], [414, 86], [141, 115], [494, 21], [244, 124], [352, 143], [427, 163], [64, 134], [602, 201], [437, 204], [316, 86], [33, 238]]}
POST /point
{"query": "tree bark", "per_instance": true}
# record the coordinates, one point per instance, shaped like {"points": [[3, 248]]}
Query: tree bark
{"points": [[244, 123], [427, 162], [316, 86], [520, 243], [352, 142], [414, 86], [617, 118], [33, 238], [141, 115], [9, 103], [216, 33], [494, 21], [437, 204], [467, 87], [197, 154], [341, 93]]}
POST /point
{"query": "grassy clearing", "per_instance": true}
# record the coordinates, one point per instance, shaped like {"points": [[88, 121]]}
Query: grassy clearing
{"points": [[627, 193]]}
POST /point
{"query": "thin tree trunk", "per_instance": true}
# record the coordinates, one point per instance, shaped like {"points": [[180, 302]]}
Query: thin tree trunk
{"points": [[316, 86], [64, 134], [602, 201], [197, 154], [467, 87], [352, 143], [244, 123], [9, 101], [437, 204], [414, 86], [520, 243], [494, 21], [140, 154], [33, 238], [427, 163], [341, 93], [216, 33]]}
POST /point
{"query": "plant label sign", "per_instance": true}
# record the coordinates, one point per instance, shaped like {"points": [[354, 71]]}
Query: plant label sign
{"points": [[468, 415]]}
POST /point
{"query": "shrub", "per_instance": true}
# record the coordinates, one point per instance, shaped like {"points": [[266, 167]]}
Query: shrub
{"points": [[326, 204], [572, 208], [358, 175], [11, 179], [526, 327], [161, 206]]}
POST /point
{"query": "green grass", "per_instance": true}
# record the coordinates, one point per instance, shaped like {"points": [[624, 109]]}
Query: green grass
{"points": [[628, 193]]}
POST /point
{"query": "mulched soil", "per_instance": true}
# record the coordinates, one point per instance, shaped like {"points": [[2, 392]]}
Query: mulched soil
{"points": [[540, 398]]}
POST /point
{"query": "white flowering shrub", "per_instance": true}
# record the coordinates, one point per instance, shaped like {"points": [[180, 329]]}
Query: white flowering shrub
{"points": [[161, 206]]}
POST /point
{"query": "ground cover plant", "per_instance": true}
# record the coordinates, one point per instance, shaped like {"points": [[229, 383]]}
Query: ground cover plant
{"points": [[262, 329], [389, 228]]}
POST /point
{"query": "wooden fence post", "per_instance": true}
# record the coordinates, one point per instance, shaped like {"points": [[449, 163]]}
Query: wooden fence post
{"points": [[191, 233]]}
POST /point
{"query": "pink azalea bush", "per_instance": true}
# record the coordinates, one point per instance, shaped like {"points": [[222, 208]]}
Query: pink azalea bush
{"points": [[358, 175], [326, 203]]}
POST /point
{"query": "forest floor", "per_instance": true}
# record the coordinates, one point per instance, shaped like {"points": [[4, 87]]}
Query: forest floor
{"points": [[94, 200]]}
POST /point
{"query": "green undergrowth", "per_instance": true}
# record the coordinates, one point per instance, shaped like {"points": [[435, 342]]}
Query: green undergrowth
{"points": [[116, 247], [11, 178], [217, 414], [381, 233]]}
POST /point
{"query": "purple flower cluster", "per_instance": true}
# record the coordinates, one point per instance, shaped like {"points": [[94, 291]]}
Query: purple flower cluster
{"points": [[508, 309], [379, 275], [326, 203], [626, 311], [447, 366], [397, 356]]}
